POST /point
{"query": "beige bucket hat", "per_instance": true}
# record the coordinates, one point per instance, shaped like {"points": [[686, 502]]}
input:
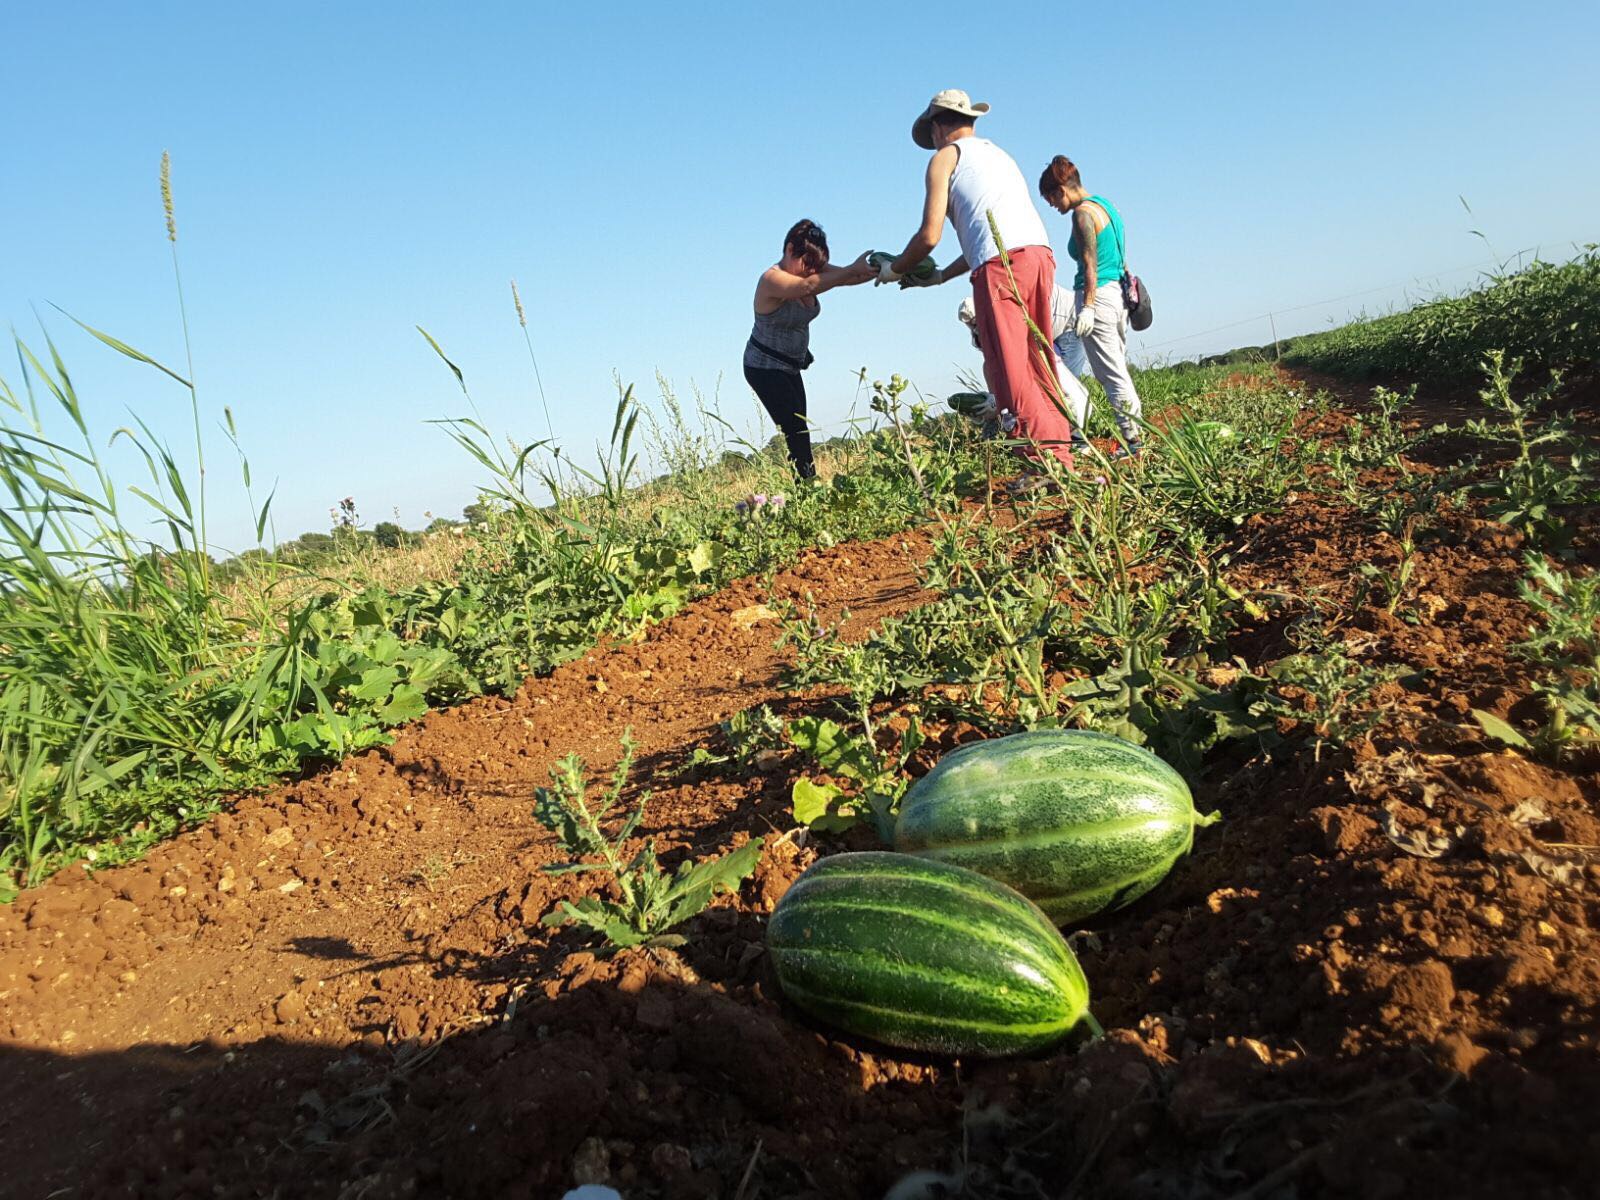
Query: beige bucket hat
{"points": [[951, 100]]}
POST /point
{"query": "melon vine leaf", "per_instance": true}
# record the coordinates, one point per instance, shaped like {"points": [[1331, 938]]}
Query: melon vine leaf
{"points": [[1500, 730], [834, 749]]}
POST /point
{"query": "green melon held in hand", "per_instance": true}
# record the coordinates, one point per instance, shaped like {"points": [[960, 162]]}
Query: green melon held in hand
{"points": [[923, 956], [926, 269], [1079, 822], [970, 404]]}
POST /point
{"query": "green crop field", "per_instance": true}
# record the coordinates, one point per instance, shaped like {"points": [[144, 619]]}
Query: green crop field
{"points": [[1544, 316], [143, 683]]}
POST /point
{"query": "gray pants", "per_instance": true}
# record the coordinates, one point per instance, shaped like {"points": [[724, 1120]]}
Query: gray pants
{"points": [[1107, 350]]}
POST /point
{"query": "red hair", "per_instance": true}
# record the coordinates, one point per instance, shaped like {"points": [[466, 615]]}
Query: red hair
{"points": [[808, 243], [1060, 175]]}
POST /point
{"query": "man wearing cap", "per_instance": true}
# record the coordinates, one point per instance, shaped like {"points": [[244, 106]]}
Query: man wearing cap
{"points": [[969, 178]]}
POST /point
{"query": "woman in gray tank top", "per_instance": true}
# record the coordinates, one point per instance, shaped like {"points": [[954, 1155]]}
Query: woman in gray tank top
{"points": [[780, 343]]}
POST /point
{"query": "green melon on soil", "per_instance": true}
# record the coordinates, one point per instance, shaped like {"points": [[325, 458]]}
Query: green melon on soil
{"points": [[1079, 822], [923, 956]]}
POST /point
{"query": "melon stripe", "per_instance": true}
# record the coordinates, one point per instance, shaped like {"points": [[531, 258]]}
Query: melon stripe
{"points": [[923, 955], [1079, 822], [941, 1022], [1130, 776], [848, 885], [953, 943], [985, 989], [1004, 904], [1077, 833], [905, 869], [1046, 965], [1052, 897], [1108, 887], [1106, 896]]}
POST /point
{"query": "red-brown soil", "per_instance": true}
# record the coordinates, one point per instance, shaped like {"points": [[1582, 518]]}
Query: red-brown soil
{"points": [[340, 988]]}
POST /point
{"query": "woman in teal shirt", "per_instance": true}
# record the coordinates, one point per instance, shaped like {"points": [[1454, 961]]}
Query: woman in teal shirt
{"points": [[1101, 320]]}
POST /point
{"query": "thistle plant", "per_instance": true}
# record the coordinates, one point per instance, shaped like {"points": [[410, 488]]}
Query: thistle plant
{"points": [[1377, 439], [1401, 521], [1565, 643], [1338, 689], [886, 401], [649, 900], [1531, 492]]}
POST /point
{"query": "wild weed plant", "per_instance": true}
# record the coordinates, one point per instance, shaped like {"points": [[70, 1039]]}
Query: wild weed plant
{"points": [[1535, 490], [1563, 646], [646, 901]]}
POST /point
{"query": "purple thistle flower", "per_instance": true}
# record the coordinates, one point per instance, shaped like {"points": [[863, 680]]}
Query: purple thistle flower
{"points": [[777, 501], [758, 500]]}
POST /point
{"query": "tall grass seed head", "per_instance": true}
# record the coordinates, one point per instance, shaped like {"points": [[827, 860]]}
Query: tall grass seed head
{"points": [[516, 298], [166, 195]]}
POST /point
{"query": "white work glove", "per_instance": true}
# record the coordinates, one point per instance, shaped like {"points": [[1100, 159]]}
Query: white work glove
{"points": [[1083, 325], [887, 273]]}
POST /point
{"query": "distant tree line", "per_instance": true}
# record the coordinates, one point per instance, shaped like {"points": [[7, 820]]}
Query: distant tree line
{"points": [[315, 548]]}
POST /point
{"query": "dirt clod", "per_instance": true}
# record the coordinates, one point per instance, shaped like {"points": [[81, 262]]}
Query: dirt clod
{"points": [[1426, 988]]}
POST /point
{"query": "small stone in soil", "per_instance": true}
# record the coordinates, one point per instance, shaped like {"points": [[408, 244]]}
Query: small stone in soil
{"points": [[670, 1160], [592, 1162], [407, 1022]]}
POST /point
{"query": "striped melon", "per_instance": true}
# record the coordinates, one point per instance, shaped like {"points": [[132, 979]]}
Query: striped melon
{"points": [[923, 956], [1078, 822]]}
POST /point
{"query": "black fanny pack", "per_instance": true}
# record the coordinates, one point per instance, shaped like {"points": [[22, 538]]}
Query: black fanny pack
{"points": [[783, 358]]}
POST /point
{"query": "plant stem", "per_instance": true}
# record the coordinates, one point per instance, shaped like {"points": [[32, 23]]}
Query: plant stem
{"points": [[203, 545], [550, 429]]}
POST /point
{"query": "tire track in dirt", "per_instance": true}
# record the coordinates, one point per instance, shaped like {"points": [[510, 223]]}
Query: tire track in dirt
{"points": [[290, 915]]}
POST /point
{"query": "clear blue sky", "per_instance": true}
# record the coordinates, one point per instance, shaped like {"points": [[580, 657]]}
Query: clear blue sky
{"points": [[344, 172]]}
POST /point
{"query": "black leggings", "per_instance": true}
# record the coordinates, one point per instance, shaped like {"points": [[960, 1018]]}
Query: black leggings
{"points": [[783, 395]]}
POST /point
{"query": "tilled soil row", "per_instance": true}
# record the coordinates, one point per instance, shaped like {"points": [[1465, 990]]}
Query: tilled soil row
{"points": [[1376, 977]]}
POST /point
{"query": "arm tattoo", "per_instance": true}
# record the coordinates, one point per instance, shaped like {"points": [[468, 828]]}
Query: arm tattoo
{"points": [[1087, 244]]}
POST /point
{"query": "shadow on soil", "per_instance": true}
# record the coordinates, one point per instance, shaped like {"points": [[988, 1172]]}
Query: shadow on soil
{"points": [[675, 1078]]}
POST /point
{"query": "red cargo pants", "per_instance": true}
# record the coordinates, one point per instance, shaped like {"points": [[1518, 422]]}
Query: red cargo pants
{"points": [[1022, 379]]}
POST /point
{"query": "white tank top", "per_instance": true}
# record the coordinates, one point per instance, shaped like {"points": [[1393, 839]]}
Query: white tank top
{"points": [[986, 179]]}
